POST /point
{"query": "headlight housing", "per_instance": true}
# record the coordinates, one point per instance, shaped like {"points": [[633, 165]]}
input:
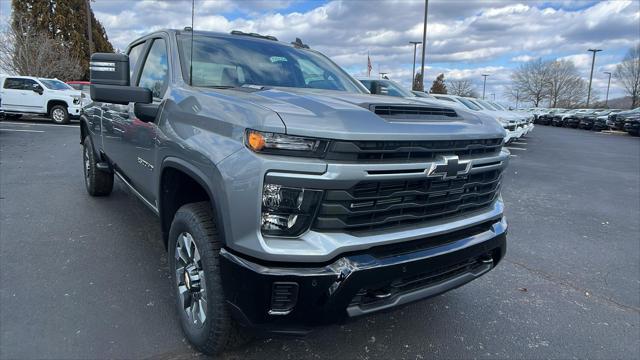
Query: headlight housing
{"points": [[287, 211], [281, 144]]}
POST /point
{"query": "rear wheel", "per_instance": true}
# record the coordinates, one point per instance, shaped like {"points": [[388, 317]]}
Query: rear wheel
{"points": [[194, 251], [59, 114], [98, 182]]}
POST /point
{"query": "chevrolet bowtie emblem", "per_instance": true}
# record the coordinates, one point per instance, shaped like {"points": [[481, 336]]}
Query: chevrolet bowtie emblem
{"points": [[449, 167]]}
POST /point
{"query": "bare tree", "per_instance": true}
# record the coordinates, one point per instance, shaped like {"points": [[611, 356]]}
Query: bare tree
{"points": [[26, 51], [462, 88], [628, 73], [565, 86], [531, 80]]}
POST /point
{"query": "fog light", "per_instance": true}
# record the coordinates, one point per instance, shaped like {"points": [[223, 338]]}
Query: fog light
{"points": [[287, 211]]}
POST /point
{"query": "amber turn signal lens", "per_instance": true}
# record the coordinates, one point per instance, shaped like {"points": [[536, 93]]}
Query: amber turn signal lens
{"points": [[256, 141]]}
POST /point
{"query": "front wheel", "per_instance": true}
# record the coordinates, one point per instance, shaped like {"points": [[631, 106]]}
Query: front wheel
{"points": [[194, 251], [59, 114]]}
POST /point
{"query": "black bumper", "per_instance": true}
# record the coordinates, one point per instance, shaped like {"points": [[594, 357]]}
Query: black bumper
{"points": [[632, 127], [358, 283]]}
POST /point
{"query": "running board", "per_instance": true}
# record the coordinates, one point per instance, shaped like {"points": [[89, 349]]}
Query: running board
{"points": [[136, 193]]}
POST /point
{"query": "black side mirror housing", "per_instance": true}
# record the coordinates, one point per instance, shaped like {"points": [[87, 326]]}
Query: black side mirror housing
{"points": [[109, 69], [110, 81], [117, 94], [146, 112], [37, 89]]}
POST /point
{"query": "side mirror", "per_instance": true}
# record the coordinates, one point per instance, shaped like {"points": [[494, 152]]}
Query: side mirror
{"points": [[109, 69], [37, 89], [110, 80], [117, 94]]}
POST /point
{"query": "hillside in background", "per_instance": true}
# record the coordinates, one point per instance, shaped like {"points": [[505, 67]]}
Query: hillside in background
{"points": [[620, 103]]}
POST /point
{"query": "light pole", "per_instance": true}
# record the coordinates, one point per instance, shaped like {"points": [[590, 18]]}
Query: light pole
{"points": [[593, 61], [413, 73], [484, 84], [424, 38], [493, 96], [606, 101]]}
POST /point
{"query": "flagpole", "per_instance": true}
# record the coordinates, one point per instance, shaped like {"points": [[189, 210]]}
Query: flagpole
{"points": [[368, 65]]}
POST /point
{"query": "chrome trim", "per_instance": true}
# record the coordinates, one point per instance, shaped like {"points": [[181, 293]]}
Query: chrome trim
{"points": [[135, 192]]}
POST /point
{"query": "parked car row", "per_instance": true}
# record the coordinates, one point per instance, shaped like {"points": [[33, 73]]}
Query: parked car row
{"points": [[590, 119], [516, 124]]}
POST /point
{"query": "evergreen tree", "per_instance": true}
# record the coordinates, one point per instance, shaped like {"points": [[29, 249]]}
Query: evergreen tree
{"points": [[417, 82], [438, 86], [66, 22]]}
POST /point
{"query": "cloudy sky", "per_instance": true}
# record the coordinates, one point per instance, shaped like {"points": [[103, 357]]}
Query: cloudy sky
{"points": [[464, 38]]}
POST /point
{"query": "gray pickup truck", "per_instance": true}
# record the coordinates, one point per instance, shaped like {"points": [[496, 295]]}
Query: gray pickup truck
{"points": [[288, 195]]}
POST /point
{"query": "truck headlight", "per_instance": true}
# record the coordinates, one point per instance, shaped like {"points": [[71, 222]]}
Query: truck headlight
{"points": [[281, 144], [287, 211]]}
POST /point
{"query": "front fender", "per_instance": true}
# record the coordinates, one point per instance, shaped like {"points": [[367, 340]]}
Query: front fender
{"points": [[209, 181]]}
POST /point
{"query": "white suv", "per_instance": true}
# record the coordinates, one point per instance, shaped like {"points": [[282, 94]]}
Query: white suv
{"points": [[31, 95]]}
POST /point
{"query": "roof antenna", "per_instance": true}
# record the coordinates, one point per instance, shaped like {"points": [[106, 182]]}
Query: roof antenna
{"points": [[193, 2]]}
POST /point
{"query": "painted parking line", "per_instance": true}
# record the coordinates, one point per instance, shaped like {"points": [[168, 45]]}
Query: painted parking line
{"points": [[37, 124], [516, 148], [22, 130]]}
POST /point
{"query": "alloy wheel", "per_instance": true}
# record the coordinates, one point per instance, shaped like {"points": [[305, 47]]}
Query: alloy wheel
{"points": [[58, 115], [190, 279]]}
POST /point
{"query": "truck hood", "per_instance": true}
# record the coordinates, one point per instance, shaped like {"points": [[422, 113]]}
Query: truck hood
{"points": [[348, 116]]}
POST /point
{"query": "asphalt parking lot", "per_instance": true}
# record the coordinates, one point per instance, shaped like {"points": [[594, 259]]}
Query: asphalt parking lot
{"points": [[84, 277]]}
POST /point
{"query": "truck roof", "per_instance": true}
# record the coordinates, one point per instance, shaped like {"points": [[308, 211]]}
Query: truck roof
{"points": [[231, 35]]}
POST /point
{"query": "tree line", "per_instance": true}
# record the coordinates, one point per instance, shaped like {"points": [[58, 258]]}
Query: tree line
{"points": [[557, 83], [51, 38]]}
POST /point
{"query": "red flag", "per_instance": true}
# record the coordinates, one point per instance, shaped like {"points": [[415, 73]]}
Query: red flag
{"points": [[369, 67]]}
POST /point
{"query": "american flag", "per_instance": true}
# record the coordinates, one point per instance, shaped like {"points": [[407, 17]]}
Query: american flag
{"points": [[369, 67]]}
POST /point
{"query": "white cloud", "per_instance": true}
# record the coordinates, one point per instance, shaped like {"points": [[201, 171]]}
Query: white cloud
{"points": [[463, 36], [523, 58]]}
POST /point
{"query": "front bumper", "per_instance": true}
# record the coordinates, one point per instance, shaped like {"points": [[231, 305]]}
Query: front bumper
{"points": [[358, 283], [75, 110], [632, 127]]}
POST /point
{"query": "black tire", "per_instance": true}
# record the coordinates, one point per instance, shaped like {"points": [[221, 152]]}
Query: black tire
{"points": [[59, 114], [98, 182], [219, 331]]}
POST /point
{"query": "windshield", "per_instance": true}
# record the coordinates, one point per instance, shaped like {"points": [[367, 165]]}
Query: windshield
{"points": [[486, 105], [498, 106], [233, 62], [469, 104], [55, 84]]}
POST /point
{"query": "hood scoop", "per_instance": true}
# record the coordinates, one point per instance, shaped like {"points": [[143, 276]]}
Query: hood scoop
{"points": [[413, 113]]}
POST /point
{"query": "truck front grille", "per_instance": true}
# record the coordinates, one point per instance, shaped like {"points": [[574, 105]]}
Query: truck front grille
{"points": [[407, 151], [374, 205]]}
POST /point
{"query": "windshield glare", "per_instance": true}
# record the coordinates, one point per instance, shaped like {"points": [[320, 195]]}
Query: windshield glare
{"points": [[233, 62], [55, 84]]}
